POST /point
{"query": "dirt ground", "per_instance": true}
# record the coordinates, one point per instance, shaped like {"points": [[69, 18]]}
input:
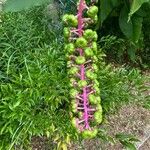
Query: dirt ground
{"points": [[131, 119]]}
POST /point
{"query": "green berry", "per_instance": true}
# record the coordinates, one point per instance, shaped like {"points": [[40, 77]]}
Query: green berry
{"points": [[96, 88], [95, 37], [80, 60], [70, 48], [94, 47], [98, 117], [82, 83], [81, 42], [70, 20], [66, 32], [73, 93], [69, 63], [95, 59], [80, 114], [74, 122], [99, 108], [92, 12], [88, 134], [92, 99], [89, 52], [73, 71], [90, 35], [72, 81], [91, 75], [96, 82], [96, 19], [74, 106], [95, 67]]}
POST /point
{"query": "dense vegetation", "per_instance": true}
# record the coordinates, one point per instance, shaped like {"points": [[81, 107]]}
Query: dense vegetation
{"points": [[34, 98]]}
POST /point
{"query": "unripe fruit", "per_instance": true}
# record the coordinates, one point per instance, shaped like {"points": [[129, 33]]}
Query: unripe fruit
{"points": [[70, 20], [95, 67], [73, 93], [73, 71], [74, 122], [74, 106], [89, 52], [94, 47], [70, 48], [96, 19], [95, 59], [96, 88], [95, 37], [98, 117], [69, 63], [99, 108], [88, 34], [92, 12], [82, 83], [87, 134], [91, 75], [80, 114], [80, 60], [96, 82], [81, 42], [72, 82], [66, 32], [92, 99]]}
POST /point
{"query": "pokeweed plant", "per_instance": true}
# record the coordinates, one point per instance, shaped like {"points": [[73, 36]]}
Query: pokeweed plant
{"points": [[81, 51]]}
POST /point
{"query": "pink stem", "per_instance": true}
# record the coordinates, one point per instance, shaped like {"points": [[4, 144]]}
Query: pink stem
{"points": [[82, 68]]}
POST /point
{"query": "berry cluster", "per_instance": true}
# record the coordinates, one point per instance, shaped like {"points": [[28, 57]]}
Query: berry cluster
{"points": [[81, 51]]}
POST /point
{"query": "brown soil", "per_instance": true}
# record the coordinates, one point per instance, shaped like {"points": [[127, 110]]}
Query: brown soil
{"points": [[131, 119]]}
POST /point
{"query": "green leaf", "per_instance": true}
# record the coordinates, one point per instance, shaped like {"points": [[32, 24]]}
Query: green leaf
{"points": [[18, 5], [129, 146], [131, 29], [126, 137], [106, 7], [136, 4]]}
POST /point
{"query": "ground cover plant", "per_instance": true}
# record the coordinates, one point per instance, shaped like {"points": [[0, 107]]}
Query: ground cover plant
{"points": [[34, 83]]}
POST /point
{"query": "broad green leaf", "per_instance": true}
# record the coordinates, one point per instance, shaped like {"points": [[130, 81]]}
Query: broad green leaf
{"points": [[136, 4], [106, 6], [18, 5], [131, 29]]}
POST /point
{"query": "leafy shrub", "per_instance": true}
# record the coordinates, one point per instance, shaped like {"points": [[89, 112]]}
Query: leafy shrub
{"points": [[125, 20]]}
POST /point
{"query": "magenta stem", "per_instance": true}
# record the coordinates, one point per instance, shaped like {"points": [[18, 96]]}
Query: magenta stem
{"points": [[82, 68]]}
